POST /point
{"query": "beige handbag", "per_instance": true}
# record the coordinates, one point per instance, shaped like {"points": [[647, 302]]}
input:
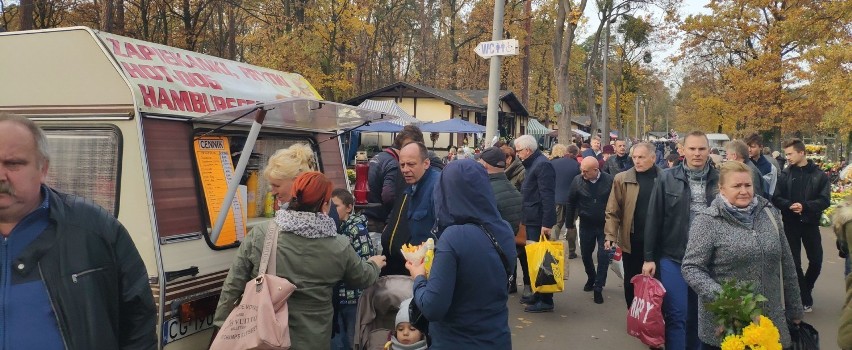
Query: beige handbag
{"points": [[260, 321]]}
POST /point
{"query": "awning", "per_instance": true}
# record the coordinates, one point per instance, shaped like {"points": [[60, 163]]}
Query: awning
{"points": [[534, 127], [299, 114], [455, 125], [581, 133], [391, 108], [390, 126]]}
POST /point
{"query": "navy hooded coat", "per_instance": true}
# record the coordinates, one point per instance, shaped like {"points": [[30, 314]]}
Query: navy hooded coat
{"points": [[465, 296]]}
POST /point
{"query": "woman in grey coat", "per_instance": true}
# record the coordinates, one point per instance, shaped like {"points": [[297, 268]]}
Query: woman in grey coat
{"points": [[735, 239]]}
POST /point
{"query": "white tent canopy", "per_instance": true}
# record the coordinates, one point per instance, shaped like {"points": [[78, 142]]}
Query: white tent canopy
{"points": [[391, 108]]}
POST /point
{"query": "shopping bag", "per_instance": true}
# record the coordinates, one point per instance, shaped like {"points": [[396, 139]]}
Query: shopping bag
{"points": [[617, 265], [804, 336], [645, 316], [546, 261]]}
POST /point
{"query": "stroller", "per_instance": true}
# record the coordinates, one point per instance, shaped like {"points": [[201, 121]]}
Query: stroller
{"points": [[377, 310]]}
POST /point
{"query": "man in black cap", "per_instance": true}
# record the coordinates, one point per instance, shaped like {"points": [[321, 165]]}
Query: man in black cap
{"points": [[509, 200]]}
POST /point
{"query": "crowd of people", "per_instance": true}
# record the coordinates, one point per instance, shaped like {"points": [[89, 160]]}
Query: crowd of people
{"points": [[693, 225]]}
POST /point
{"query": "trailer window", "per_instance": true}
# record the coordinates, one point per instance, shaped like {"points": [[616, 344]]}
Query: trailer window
{"points": [[86, 162]]}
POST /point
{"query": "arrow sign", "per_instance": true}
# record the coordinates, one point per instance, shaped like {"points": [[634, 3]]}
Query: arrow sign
{"points": [[488, 49]]}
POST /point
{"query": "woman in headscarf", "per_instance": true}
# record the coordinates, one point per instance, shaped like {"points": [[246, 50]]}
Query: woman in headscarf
{"points": [[736, 239], [465, 296], [311, 255]]}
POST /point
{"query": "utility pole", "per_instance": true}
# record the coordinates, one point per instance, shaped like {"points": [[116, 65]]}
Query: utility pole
{"points": [[637, 117], [492, 119], [645, 121], [605, 94]]}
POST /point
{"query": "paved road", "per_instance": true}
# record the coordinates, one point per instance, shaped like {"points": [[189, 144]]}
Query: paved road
{"points": [[579, 323]]}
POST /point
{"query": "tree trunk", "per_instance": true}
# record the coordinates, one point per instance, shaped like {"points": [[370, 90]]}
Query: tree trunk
{"points": [[27, 14], [590, 82], [562, 44], [119, 17], [108, 18], [525, 62]]}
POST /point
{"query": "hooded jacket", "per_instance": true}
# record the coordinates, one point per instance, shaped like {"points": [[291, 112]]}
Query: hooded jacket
{"points": [[465, 296], [539, 191], [817, 194]]}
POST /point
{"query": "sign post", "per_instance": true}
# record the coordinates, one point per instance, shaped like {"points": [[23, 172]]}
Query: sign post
{"points": [[494, 50]]}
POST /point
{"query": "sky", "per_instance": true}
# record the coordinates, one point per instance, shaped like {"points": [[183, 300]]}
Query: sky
{"points": [[661, 54]]}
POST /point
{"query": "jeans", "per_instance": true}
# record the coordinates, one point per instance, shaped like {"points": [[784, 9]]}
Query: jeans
{"points": [[632, 266], [560, 222], [533, 234], [806, 235], [590, 238], [680, 308], [346, 324]]}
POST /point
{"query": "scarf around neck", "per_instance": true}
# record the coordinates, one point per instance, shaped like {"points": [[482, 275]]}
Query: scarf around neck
{"points": [[743, 215], [396, 345], [305, 224], [697, 174]]}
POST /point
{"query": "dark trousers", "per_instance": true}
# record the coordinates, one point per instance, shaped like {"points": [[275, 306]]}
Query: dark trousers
{"points": [[591, 237], [522, 259], [533, 233], [806, 235], [632, 266]]}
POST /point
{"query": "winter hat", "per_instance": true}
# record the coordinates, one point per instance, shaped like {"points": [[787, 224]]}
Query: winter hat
{"points": [[494, 156], [402, 314], [608, 149], [310, 190]]}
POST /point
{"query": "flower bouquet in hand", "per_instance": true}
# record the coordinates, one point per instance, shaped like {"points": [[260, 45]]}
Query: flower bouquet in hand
{"points": [[420, 254], [737, 311]]}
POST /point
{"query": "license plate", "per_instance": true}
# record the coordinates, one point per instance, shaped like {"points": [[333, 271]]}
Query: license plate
{"points": [[174, 329]]}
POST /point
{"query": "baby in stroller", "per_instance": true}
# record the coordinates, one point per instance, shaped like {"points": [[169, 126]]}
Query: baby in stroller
{"points": [[405, 335], [377, 311]]}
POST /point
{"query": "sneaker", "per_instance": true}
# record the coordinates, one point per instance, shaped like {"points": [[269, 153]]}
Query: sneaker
{"points": [[598, 297], [589, 286], [539, 307], [809, 308], [572, 256]]}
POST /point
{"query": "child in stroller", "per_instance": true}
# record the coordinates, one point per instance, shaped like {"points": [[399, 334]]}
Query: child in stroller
{"points": [[405, 336], [377, 311]]}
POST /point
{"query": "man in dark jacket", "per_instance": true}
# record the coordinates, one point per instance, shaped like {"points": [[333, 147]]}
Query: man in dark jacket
{"points": [[566, 168], [679, 193], [539, 209], [383, 178], [69, 266], [595, 149], [767, 170], [413, 216], [509, 200], [587, 199], [803, 192], [620, 161]]}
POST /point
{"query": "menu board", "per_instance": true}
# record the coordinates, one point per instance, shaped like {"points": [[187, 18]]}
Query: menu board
{"points": [[216, 169]]}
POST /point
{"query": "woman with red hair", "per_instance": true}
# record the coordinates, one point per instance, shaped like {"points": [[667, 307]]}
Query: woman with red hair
{"points": [[311, 255]]}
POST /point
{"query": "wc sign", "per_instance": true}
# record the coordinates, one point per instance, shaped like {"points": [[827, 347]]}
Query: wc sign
{"points": [[488, 49]]}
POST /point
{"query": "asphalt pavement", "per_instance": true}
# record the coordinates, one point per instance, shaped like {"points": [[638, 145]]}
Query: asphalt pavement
{"points": [[578, 323]]}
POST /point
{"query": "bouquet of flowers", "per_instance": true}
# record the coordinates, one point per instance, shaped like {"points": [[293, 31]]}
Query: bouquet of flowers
{"points": [[737, 311]]}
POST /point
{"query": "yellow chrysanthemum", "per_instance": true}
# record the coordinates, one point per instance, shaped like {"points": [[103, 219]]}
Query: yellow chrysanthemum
{"points": [[751, 335], [733, 342]]}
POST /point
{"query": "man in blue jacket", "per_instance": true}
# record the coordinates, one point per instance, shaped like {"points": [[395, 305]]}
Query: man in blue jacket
{"points": [[566, 168], [412, 219], [539, 205]]}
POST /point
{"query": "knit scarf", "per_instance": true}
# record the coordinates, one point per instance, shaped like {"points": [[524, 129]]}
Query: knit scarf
{"points": [[698, 187], [396, 345], [743, 215], [306, 224]]}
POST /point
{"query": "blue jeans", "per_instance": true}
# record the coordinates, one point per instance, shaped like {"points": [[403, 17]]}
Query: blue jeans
{"points": [[533, 234], [592, 237], [346, 325], [680, 308]]}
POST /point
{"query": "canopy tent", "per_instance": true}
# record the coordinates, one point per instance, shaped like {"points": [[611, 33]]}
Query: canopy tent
{"points": [[390, 108], [581, 133], [381, 127], [455, 125], [534, 127]]}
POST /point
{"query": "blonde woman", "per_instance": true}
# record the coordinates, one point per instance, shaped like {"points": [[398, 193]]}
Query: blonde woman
{"points": [[284, 166]]}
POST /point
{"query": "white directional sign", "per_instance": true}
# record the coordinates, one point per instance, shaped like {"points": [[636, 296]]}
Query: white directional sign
{"points": [[488, 49]]}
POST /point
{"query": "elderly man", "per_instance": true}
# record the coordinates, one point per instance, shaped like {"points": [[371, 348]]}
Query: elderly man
{"points": [[620, 161], [50, 237], [587, 199], [412, 218], [738, 151], [679, 193], [625, 220], [509, 200], [539, 211]]}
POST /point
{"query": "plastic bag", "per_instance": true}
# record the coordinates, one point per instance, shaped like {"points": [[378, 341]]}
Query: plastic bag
{"points": [[804, 336], [546, 260], [645, 316], [617, 265]]}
